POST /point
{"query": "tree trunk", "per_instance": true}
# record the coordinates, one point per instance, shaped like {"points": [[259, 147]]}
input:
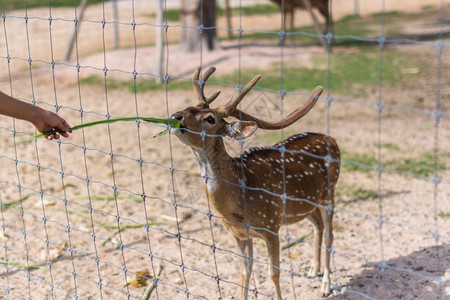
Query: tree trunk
{"points": [[199, 21]]}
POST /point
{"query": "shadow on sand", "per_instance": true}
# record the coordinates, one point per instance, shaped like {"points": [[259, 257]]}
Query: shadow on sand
{"points": [[413, 276]]}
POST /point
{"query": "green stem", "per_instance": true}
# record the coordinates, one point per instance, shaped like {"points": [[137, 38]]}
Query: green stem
{"points": [[168, 121], [5, 262], [14, 202], [106, 226], [148, 292], [122, 227], [297, 241]]}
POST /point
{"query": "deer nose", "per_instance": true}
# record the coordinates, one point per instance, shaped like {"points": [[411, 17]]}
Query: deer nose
{"points": [[177, 116]]}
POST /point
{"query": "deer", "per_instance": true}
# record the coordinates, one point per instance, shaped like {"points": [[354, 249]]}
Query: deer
{"points": [[289, 7], [264, 188]]}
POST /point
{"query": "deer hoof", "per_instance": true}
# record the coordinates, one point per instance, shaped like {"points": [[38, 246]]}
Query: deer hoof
{"points": [[313, 271], [325, 290]]}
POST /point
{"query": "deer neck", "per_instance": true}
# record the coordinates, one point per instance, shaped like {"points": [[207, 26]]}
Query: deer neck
{"points": [[217, 168]]}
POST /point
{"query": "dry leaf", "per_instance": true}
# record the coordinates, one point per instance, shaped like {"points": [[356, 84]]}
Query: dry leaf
{"points": [[139, 279], [4, 237], [54, 252]]}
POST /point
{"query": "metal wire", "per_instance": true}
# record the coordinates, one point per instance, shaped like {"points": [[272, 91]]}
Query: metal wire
{"points": [[92, 234]]}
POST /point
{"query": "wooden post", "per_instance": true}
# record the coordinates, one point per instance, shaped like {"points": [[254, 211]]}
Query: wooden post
{"points": [[116, 24], [228, 16], [190, 10], [316, 24], [159, 41], [83, 6], [356, 8]]}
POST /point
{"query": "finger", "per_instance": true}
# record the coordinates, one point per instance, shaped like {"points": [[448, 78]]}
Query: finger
{"points": [[62, 125], [53, 136], [66, 125], [64, 129]]}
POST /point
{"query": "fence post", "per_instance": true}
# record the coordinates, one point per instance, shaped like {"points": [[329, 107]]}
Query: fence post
{"points": [[83, 6], [228, 17], [316, 24], [356, 9], [116, 24], [159, 41]]}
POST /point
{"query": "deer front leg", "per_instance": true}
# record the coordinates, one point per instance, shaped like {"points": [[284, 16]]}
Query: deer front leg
{"points": [[288, 19], [273, 249], [246, 262], [316, 220]]}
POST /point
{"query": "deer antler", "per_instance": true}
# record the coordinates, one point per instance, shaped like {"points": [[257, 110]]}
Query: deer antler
{"points": [[230, 109], [199, 85], [231, 106], [294, 116]]}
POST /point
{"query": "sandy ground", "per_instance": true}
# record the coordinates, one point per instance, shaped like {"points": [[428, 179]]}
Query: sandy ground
{"points": [[69, 215]]}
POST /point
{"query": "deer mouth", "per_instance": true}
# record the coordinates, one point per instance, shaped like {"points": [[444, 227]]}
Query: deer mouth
{"points": [[177, 131]]}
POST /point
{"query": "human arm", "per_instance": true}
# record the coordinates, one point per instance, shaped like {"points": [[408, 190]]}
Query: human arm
{"points": [[42, 119]]}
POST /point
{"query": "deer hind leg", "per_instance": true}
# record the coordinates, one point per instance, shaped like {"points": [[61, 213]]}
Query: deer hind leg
{"points": [[324, 11], [273, 249], [288, 19], [291, 20], [246, 262], [316, 219], [327, 217]]}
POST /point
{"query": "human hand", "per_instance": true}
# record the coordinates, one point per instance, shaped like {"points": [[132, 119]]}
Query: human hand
{"points": [[46, 121]]}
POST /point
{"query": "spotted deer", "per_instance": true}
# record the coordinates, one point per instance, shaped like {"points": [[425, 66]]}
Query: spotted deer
{"points": [[289, 7], [263, 188]]}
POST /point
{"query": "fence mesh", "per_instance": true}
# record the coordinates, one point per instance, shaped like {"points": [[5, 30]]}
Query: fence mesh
{"points": [[113, 212]]}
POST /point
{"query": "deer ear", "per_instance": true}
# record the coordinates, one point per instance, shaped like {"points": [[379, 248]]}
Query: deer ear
{"points": [[240, 130]]}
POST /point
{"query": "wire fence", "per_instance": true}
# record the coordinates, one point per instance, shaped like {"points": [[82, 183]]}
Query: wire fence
{"points": [[114, 213]]}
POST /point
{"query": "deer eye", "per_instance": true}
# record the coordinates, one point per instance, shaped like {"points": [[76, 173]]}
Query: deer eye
{"points": [[210, 120]]}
